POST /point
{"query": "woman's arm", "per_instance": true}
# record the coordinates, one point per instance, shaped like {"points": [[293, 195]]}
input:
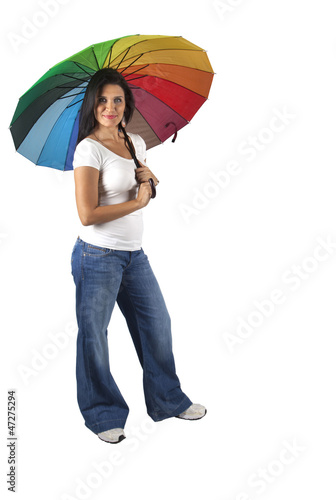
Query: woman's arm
{"points": [[86, 192]]}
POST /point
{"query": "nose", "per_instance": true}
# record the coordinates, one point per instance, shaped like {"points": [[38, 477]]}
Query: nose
{"points": [[109, 106]]}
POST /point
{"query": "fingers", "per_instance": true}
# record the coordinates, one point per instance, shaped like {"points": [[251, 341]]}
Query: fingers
{"points": [[143, 177], [148, 188], [146, 185], [143, 172], [142, 169], [146, 191]]}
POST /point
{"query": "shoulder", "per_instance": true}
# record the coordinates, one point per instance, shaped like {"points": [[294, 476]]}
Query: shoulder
{"points": [[87, 153], [137, 141], [87, 144]]}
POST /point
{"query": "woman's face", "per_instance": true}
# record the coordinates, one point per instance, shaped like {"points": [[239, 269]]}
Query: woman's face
{"points": [[110, 105]]}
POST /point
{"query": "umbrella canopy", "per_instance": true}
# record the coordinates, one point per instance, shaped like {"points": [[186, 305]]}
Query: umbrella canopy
{"points": [[169, 76]]}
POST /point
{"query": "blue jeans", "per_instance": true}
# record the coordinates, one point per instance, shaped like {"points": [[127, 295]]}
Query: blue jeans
{"points": [[103, 276]]}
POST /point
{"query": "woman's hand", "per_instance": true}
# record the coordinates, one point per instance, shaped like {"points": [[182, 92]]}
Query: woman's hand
{"points": [[143, 174], [144, 194]]}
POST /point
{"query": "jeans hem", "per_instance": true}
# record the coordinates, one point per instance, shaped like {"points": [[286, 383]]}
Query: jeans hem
{"points": [[183, 406], [106, 425]]}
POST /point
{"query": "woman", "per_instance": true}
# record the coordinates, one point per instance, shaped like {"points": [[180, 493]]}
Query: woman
{"points": [[109, 265]]}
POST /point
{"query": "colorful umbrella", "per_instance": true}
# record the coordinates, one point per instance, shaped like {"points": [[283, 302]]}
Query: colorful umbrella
{"points": [[170, 79]]}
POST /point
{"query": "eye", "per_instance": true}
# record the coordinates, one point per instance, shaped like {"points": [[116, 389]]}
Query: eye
{"points": [[101, 99], [118, 100]]}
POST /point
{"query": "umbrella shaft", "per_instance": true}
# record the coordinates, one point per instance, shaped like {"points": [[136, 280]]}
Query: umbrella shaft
{"points": [[131, 148]]}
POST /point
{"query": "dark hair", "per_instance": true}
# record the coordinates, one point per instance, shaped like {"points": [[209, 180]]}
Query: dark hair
{"points": [[104, 76]]}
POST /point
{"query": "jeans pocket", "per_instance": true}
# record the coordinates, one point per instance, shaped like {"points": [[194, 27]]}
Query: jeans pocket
{"points": [[96, 251]]}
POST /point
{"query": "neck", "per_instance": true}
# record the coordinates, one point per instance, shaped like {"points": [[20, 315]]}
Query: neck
{"points": [[105, 134]]}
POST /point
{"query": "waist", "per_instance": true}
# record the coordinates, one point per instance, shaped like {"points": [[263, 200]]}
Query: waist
{"points": [[124, 233]]}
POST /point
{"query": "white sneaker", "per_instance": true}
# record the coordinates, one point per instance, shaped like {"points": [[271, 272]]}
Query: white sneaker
{"points": [[194, 412], [112, 435]]}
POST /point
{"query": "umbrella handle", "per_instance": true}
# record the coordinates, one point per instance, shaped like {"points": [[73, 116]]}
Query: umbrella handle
{"points": [[151, 182], [131, 148]]}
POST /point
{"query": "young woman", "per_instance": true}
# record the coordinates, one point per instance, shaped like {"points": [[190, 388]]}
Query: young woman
{"points": [[109, 265]]}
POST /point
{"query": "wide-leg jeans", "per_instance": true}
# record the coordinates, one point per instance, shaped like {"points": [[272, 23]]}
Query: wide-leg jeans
{"points": [[104, 276]]}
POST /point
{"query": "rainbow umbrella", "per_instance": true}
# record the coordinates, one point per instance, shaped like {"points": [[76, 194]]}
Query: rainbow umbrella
{"points": [[170, 79]]}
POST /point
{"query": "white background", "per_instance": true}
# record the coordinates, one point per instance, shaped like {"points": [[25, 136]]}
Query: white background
{"points": [[274, 388]]}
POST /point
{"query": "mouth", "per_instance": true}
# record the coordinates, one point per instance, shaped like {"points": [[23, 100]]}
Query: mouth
{"points": [[110, 117]]}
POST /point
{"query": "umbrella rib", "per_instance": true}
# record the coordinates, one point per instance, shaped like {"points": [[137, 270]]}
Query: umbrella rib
{"points": [[95, 57], [168, 106], [168, 49], [129, 48], [73, 103], [162, 49], [82, 69], [139, 69], [154, 50], [50, 132], [110, 54], [131, 63], [62, 87], [136, 78], [147, 124], [166, 80], [182, 87], [127, 51], [74, 77], [69, 106], [132, 46], [71, 95]]}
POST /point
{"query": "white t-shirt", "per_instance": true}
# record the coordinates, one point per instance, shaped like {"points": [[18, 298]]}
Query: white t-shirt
{"points": [[117, 184]]}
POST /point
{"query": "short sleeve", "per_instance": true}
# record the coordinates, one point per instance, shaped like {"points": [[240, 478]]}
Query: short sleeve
{"points": [[87, 155]]}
